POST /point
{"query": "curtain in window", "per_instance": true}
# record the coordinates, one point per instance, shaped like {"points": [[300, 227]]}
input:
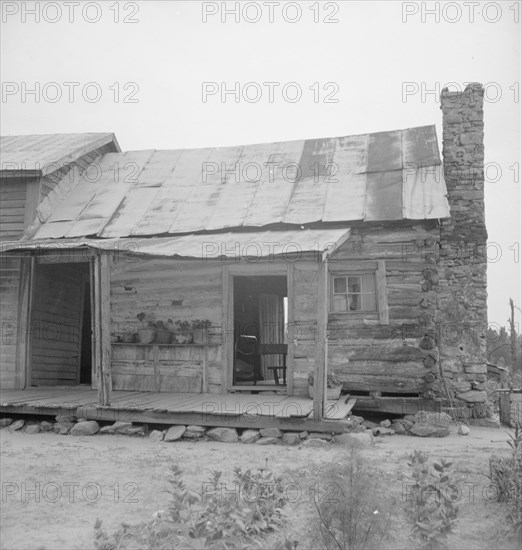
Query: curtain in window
{"points": [[271, 328]]}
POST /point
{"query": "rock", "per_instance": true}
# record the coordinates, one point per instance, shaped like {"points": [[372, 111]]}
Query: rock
{"points": [[62, 428], [291, 438], [226, 435], [16, 425], [46, 426], [434, 418], [315, 442], [358, 428], [429, 430], [116, 428], [355, 440], [303, 435], [67, 417], [385, 423], [80, 419], [463, 430], [271, 432], [356, 419], [194, 432], [369, 424], [409, 418], [382, 431], [32, 429], [321, 435], [156, 435], [250, 436], [135, 430], [89, 427], [399, 428], [4, 422], [473, 396], [269, 441], [174, 433]]}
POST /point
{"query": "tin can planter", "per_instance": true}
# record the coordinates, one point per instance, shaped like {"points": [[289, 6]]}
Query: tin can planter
{"points": [[146, 335]]}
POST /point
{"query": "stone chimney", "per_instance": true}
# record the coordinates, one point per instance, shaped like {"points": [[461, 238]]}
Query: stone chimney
{"points": [[462, 262]]}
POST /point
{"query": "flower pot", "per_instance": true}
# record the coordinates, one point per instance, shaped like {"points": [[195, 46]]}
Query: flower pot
{"points": [[183, 337], [146, 335], [332, 394], [200, 335], [163, 336]]}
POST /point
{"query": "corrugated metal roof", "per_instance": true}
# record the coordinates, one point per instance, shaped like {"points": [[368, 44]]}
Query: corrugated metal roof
{"points": [[254, 245], [46, 153], [371, 177]]}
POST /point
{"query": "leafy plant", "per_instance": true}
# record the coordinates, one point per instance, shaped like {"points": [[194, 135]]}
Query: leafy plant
{"points": [[183, 326], [430, 506], [218, 517], [506, 474], [201, 324], [351, 513]]}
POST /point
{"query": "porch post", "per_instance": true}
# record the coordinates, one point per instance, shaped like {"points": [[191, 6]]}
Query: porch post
{"points": [[102, 338], [321, 352], [24, 332]]}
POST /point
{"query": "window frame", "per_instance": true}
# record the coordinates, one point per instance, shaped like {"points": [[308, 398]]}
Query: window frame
{"points": [[378, 269]]}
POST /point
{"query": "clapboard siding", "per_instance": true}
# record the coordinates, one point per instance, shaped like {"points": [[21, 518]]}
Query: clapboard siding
{"points": [[9, 288], [165, 289], [12, 208], [56, 323]]}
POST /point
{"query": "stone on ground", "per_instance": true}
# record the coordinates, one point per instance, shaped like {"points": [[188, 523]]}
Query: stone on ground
{"points": [[271, 432], [62, 428], [429, 430], [225, 435], [382, 431], [194, 432], [174, 433], [156, 435], [32, 429], [4, 422], [398, 428], [386, 423], [16, 425], [463, 430], [434, 418], [116, 428], [315, 442], [88, 427], [250, 436], [46, 426], [291, 438], [268, 441]]}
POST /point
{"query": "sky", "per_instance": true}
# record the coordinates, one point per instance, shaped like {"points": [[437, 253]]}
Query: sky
{"points": [[156, 74]]}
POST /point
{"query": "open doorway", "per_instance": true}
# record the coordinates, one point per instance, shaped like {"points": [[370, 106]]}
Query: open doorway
{"points": [[260, 331], [61, 325]]}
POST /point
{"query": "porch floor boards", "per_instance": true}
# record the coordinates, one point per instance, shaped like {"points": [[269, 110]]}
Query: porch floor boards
{"points": [[232, 409]]}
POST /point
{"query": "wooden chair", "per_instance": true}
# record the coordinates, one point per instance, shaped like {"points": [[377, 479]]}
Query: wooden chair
{"points": [[275, 349]]}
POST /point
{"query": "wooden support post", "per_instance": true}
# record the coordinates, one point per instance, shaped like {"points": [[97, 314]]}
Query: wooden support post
{"points": [[322, 344], [155, 362], [102, 337], [23, 328]]}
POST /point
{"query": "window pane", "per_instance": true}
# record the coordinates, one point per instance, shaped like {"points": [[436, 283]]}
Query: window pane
{"points": [[339, 302], [368, 283], [355, 302], [354, 284], [368, 302], [340, 285]]}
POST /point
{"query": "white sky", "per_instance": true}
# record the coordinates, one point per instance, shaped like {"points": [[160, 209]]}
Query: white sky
{"points": [[370, 53]]}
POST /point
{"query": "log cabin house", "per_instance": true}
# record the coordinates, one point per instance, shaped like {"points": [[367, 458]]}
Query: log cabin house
{"points": [[362, 255]]}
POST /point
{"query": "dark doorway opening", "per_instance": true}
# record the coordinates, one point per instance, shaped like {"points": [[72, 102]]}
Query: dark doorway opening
{"points": [[61, 325], [260, 330]]}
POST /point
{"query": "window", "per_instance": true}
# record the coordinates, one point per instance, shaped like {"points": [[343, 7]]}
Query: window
{"points": [[354, 293]]}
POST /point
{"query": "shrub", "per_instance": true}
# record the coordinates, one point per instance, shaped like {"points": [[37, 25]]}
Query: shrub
{"points": [[506, 474], [353, 514], [214, 518], [429, 507]]}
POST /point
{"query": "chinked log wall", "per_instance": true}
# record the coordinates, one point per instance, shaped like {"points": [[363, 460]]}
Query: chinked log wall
{"points": [[390, 356]]}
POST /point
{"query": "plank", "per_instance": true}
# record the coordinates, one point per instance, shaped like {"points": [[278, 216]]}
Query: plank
{"points": [[340, 409]]}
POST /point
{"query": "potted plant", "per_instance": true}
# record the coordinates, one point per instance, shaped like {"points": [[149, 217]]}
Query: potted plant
{"points": [[333, 386], [183, 332], [147, 330], [163, 334], [200, 330]]}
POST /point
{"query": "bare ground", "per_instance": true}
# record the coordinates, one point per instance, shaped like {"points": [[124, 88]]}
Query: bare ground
{"points": [[55, 487]]}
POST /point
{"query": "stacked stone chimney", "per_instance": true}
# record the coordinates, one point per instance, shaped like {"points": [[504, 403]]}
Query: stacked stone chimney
{"points": [[462, 262]]}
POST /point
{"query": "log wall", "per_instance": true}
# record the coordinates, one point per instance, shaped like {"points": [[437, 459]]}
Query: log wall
{"points": [[9, 289]]}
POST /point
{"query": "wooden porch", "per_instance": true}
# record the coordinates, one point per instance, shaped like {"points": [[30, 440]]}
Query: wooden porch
{"points": [[204, 409]]}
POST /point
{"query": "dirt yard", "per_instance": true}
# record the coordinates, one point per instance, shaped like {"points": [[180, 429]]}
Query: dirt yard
{"points": [[55, 487]]}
